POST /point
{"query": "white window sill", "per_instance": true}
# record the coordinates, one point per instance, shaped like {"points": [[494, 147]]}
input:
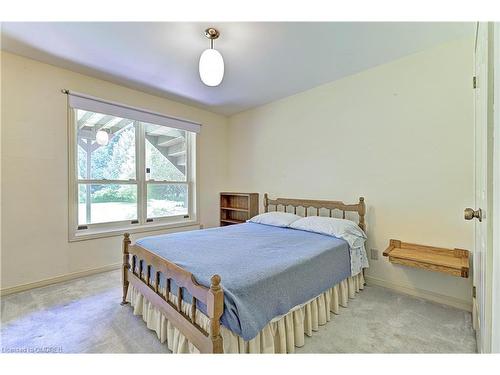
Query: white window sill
{"points": [[91, 234]]}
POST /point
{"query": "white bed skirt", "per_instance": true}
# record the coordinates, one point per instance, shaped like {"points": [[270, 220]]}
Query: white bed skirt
{"points": [[281, 335]]}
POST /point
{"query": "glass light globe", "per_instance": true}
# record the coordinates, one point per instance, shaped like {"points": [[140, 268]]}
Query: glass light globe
{"points": [[211, 67], [102, 137]]}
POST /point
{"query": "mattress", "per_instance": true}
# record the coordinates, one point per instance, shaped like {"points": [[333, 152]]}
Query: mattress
{"points": [[265, 270]]}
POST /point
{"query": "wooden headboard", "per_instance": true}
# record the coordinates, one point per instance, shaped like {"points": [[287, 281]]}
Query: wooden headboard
{"points": [[307, 204]]}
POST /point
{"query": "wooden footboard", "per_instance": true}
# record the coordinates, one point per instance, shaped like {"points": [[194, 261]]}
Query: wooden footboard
{"points": [[138, 263]]}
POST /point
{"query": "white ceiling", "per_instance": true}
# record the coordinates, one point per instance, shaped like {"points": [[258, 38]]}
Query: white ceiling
{"points": [[263, 61]]}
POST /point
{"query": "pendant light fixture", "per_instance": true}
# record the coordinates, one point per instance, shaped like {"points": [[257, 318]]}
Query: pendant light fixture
{"points": [[102, 138], [211, 61]]}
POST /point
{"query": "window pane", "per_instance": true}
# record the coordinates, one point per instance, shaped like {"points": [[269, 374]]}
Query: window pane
{"points": [[82, 160], [106, 203], [167, 200], [114, 160], [165, 153]]}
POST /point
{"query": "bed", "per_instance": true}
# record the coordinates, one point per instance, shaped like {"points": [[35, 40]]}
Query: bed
{"points": [[246, 288]]}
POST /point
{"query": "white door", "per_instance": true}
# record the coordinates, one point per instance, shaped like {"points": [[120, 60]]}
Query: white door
{"points": [[479, 214]]}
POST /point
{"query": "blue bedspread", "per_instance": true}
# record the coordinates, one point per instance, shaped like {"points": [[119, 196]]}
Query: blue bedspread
{"points": [[265, 270]]}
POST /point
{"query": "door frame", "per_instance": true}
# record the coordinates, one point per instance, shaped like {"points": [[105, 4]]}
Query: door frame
{"points": [[495, 215], [489, 337], [482, 109]]}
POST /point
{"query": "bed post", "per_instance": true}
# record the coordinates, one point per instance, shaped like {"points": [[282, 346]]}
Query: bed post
{"points": [[266, 202], [362, 225], [362, 212], [125, 267], [215, 310]]}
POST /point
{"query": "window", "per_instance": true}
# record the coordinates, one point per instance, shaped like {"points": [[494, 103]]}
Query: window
{"points": [[141, 175]]}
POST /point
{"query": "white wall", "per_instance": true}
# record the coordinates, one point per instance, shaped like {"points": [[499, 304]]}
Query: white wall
{"points": [[34, 169], [400, 134]]}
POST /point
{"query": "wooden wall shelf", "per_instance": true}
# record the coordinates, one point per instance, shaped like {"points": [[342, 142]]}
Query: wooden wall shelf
{"points": [[236, 208], [451, 261]]}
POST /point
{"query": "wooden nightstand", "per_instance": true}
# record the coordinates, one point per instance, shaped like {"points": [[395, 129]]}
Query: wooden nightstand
{"points": [[451, 261]]}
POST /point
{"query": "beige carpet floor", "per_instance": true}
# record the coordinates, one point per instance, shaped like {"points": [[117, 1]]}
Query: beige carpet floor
{"points": [[85, 316]]}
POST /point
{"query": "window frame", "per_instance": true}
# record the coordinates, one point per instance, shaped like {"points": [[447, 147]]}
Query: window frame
{"points": [[145, 224]]}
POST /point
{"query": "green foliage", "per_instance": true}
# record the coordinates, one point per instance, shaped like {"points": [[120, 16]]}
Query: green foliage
{"points": [[161, 168], [116, 161], [114, 193], [175, 193]]}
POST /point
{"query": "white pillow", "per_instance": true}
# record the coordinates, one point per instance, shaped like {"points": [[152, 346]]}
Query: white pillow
{"points": [[340, 228], [277, 219]]}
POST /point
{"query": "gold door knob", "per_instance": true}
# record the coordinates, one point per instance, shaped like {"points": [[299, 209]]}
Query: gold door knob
{"points": [[470, 214]]}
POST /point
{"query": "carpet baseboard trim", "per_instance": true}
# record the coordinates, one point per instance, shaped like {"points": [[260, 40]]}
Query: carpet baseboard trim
{"points": [[421, 293], [58, 279]]}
